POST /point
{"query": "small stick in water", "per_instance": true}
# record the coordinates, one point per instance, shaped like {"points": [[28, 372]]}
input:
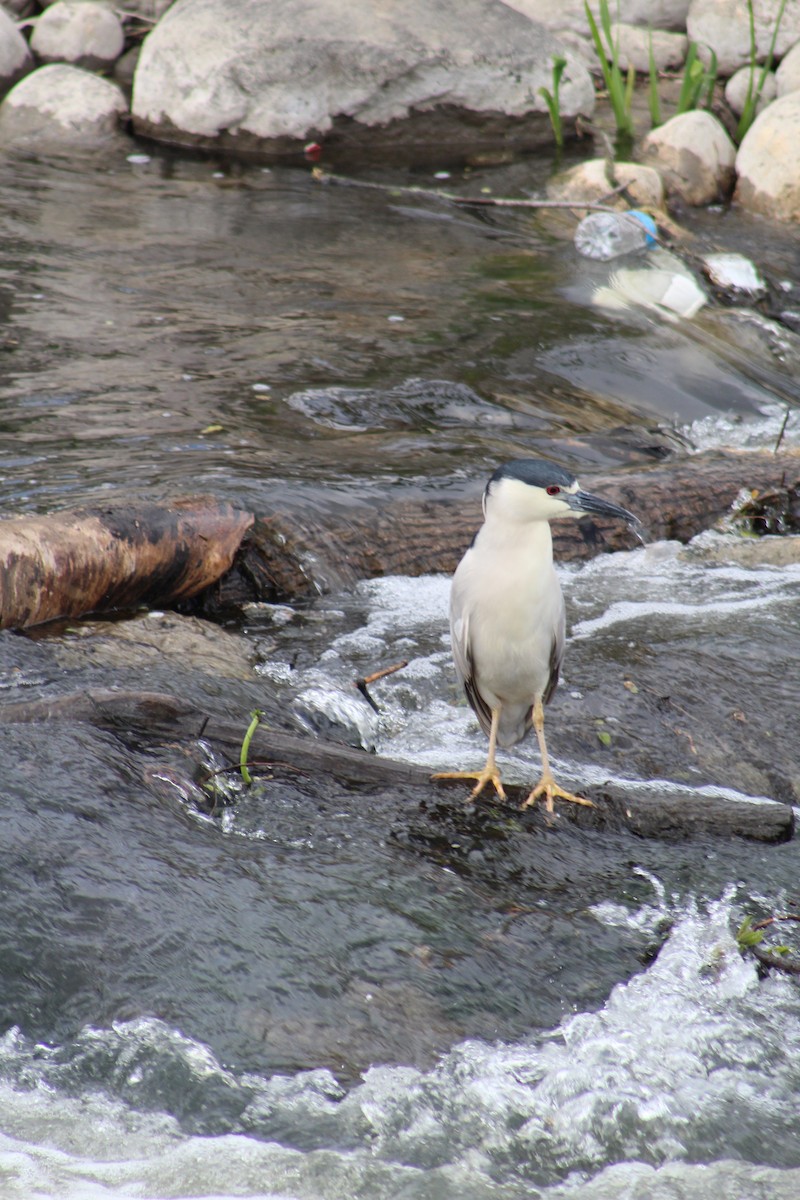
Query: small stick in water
{"points": [[362, 684]]}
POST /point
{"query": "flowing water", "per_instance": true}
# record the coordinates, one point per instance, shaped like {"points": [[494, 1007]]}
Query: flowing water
{"points": [[352, 994]]}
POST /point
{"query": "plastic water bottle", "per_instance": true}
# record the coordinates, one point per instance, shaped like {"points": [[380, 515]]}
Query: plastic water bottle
{"points": [[607, 235]]}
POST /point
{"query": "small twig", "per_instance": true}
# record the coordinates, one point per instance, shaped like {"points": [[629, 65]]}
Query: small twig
{"points": [[782, 429], [363, 683], [766, 957], [451, 198]]}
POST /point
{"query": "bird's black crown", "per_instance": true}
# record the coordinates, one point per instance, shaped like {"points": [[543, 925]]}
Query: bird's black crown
{"points": [[536, 472]]}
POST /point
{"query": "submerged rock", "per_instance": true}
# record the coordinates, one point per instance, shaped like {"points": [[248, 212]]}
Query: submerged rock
{"points": [[588, 181], [694, 155], [246, 76], [768, 162], [58, 105]]}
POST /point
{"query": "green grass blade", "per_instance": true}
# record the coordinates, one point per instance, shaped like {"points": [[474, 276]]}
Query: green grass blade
{"points": [[653, 96], [255, 718], [711, 79]]}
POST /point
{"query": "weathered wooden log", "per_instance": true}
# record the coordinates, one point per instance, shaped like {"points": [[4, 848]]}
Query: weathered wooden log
{"points": [[282, 559], [109, 557], [115, 556], [154, 717]]}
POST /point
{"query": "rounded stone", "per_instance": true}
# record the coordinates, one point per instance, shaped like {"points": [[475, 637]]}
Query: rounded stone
{"points": [[588, 181], [78, 32], [788, 73], [58, 105], [724, 27], [15, 58], [635, 43], [694, 155], [768, 162], [738, 84]]}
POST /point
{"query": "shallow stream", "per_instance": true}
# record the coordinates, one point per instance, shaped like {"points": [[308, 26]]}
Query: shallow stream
{"points": [[351, 995]]}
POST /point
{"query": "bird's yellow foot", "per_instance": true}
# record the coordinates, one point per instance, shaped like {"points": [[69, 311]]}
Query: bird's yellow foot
{"points": [[487, 775], [548, 788]]}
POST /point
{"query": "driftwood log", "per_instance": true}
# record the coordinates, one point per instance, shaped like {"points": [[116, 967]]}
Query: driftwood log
{"points": [[154, 718], [283, 560], [113, 557], [104, 558]]}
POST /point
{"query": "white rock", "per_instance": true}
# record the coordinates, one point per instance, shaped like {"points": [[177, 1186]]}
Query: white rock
{"points": [[768, 162], [739, 82], [256, 71], [15, 58], [570, 14], [79, 32], [633, 47], [694, 155], [60, 105], [788, 73], [723, 25], [588, 181]]}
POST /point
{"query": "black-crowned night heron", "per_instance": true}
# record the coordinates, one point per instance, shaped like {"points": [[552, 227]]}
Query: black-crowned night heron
{"points": [[507, 611]]}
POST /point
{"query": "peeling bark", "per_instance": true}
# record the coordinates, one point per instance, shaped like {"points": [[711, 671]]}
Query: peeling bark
{"points": [[101, 558]]}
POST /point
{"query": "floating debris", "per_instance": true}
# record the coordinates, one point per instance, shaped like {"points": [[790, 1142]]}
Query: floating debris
{"points": [[731, 272], [776, 511]]}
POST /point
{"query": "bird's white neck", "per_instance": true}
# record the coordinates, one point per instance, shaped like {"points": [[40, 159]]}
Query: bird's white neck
{"points": [[502, 534]]}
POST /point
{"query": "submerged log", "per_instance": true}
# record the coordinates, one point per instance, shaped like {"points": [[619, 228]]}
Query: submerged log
{"points": [[108, 557], [152, 718]]}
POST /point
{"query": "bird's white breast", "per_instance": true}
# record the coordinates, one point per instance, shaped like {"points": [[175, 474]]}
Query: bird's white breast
{"points": [[507, 598]]}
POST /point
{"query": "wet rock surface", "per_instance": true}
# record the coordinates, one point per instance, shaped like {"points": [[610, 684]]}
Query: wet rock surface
{"points": [[61, 105]]}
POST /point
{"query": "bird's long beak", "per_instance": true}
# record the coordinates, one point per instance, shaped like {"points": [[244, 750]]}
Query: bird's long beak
{"points": [[585, 502]]}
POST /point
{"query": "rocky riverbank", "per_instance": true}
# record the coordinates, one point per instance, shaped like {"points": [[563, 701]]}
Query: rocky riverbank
{"points": [[451, 82]]}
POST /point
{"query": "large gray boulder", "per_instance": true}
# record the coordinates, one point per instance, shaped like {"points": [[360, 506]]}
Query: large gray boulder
{"points": [[443, 78], [15, 58], [61, 107], [768, 162]]}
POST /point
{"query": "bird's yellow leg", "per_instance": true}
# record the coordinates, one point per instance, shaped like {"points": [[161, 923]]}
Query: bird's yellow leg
{"points": [[489, 774], [547, 785]]}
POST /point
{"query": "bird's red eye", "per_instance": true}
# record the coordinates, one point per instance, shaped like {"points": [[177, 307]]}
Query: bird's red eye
{"points": [[553, 490]]}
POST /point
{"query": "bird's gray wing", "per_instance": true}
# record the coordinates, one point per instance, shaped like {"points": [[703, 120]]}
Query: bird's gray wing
{"points": [[465, 670], [556, 655]]}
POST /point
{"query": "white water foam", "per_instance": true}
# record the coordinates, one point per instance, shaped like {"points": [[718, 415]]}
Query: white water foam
{"points": [[683, 1085]]}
